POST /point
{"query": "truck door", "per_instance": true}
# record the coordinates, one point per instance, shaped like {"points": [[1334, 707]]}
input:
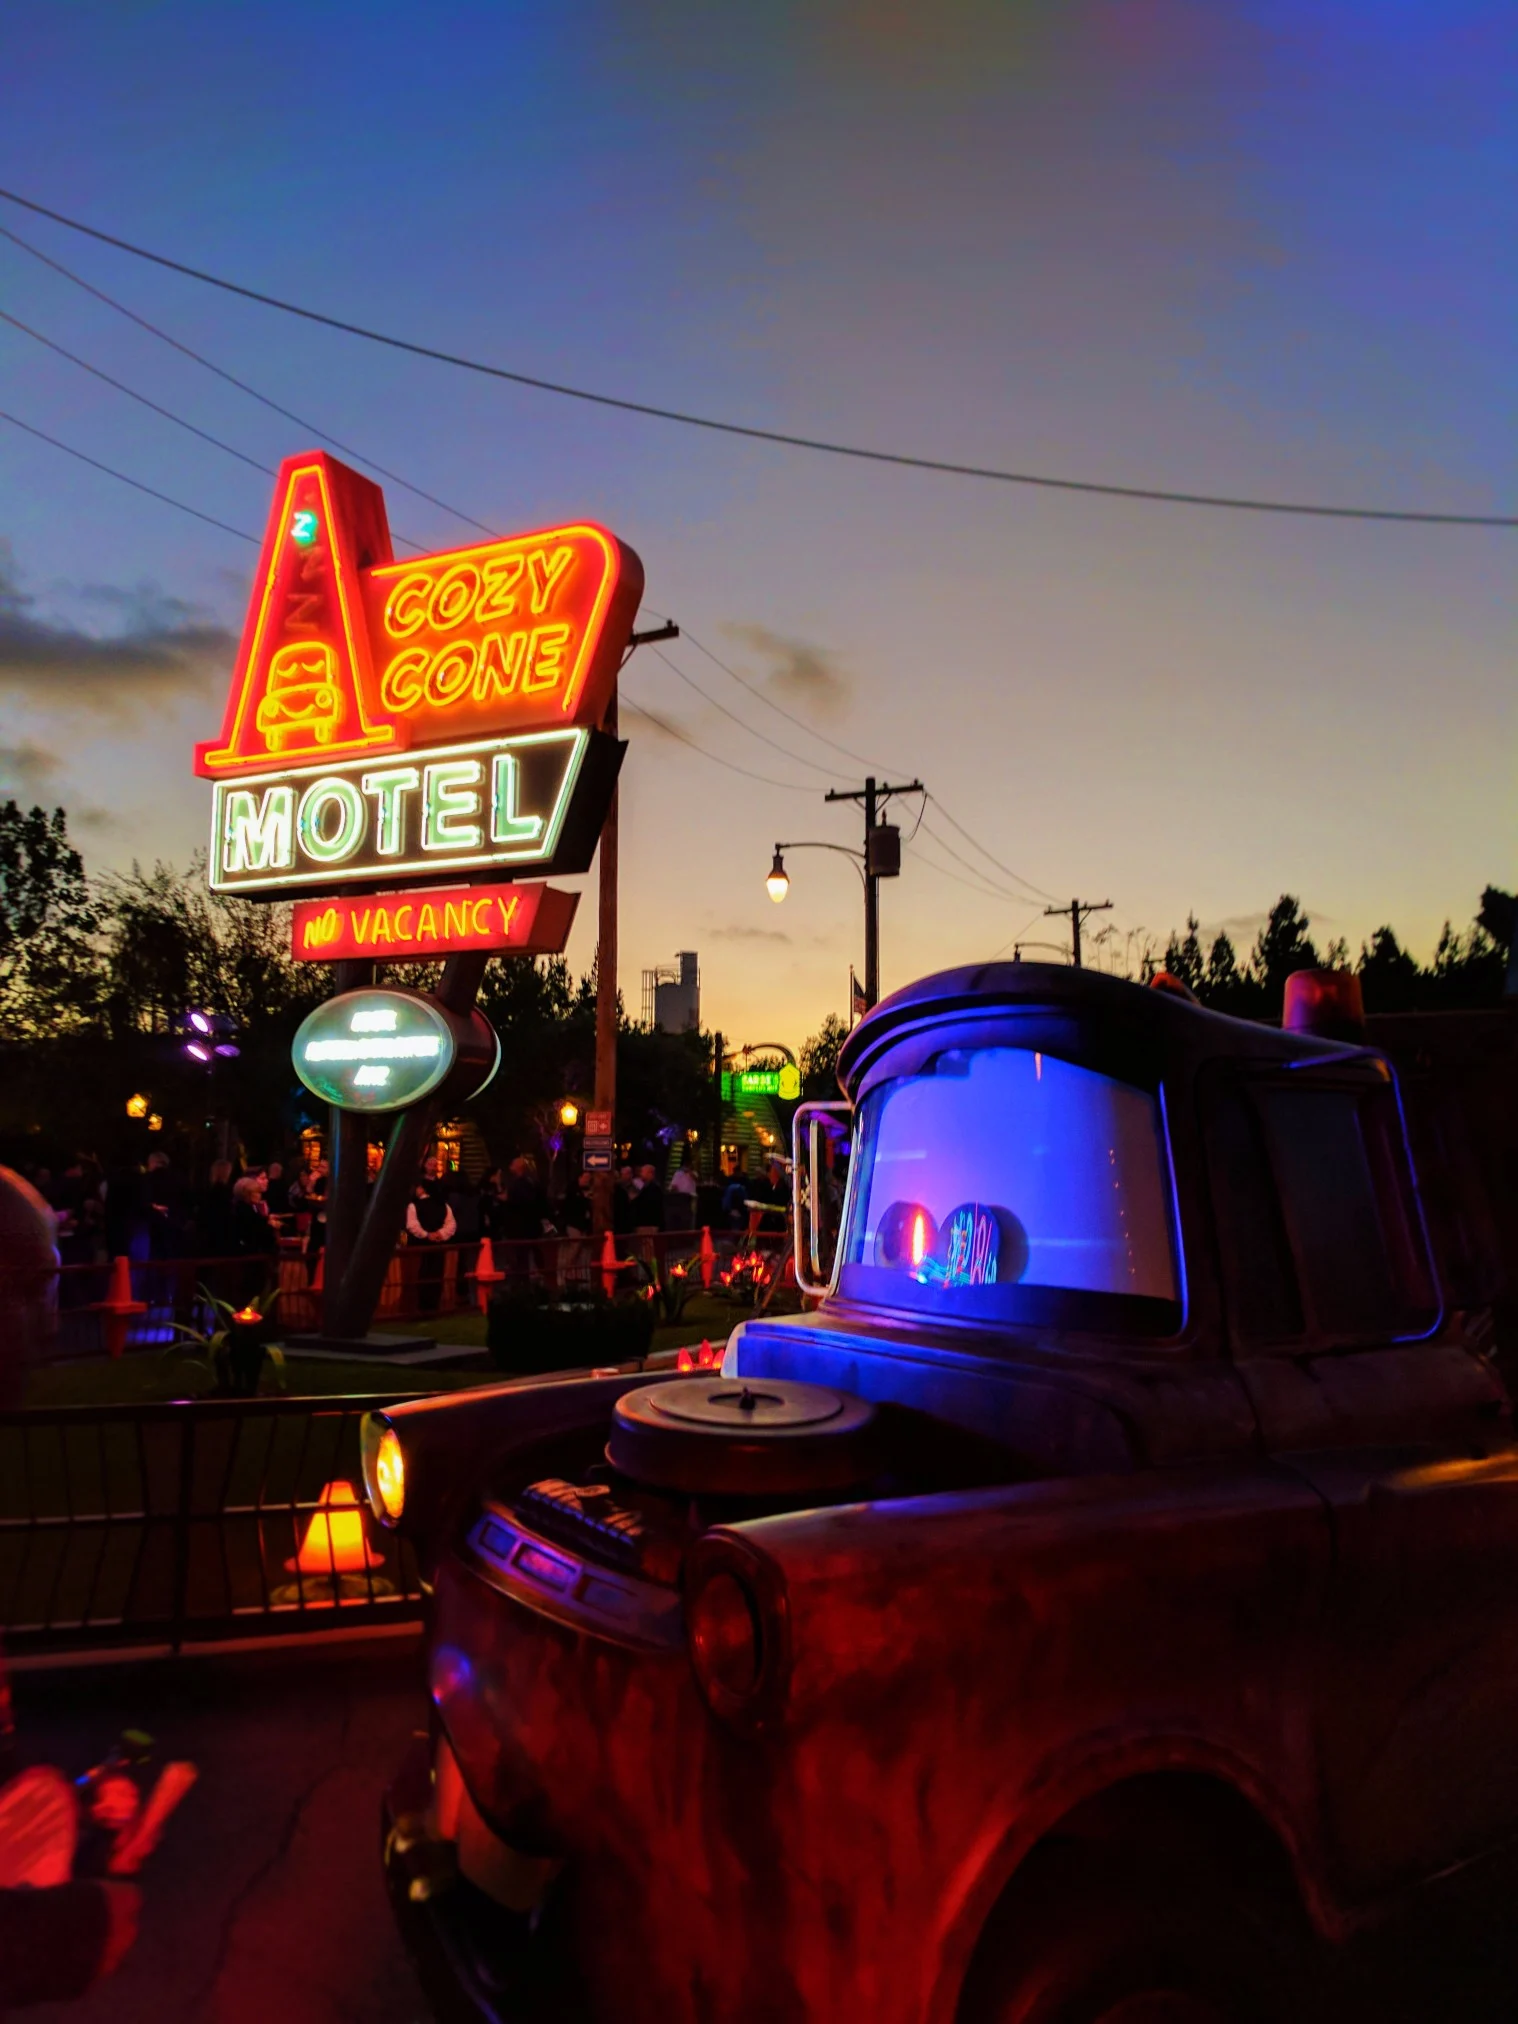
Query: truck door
{"points": [[1333, 1315]]}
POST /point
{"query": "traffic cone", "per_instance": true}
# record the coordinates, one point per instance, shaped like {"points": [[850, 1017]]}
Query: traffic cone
{"points": [[486, 1273], [335, 1541], [708, 1256], [118, 1306]]}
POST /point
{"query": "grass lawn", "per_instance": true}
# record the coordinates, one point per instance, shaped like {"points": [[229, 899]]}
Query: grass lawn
{"points": [[149, 1377], [706, 1318]]}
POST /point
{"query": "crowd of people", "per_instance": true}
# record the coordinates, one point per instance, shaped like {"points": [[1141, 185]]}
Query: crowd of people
{"points": [[152, 1210]]}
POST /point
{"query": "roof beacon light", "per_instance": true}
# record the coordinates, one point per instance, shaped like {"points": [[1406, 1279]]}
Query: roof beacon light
{"points": [[1327, 1003]]}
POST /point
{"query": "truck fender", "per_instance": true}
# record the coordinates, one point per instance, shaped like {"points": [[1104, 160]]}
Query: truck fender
{"points": [[1120, 1787]]}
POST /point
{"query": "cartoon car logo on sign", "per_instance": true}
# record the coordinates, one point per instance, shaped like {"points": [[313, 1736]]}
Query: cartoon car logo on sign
{"points": [[302, 701]]}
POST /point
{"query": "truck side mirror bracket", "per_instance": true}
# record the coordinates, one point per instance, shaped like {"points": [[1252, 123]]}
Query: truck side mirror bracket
{"points": [[807, 1128]]}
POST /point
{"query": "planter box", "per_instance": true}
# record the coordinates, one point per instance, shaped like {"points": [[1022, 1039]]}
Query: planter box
{"points": [[527, 1335]]}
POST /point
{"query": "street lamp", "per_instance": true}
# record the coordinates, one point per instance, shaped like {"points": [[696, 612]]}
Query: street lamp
{"points": [[569, 1114], [778, 884], [880, 858], [137, 1106]]}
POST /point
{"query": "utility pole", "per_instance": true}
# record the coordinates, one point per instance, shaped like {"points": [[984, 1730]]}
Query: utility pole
{"points": [[606, 958], [882, 859], [1079, 910]]}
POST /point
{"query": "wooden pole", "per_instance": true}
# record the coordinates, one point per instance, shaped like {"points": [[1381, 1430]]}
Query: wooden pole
{"points": [[603, 1185]]}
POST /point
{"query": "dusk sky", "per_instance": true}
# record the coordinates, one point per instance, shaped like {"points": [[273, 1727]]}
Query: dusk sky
{"points": [[1224, 246]]}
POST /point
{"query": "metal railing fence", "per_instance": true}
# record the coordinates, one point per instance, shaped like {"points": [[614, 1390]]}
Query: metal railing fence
{"points": [[425, 1283], [197, 1521]]}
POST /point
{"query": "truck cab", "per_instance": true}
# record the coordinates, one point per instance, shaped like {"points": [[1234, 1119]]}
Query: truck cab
{"points": [[1100, 1605]]}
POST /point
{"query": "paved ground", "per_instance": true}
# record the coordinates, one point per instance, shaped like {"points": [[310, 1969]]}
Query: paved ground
{"points": [[264, 1905]]}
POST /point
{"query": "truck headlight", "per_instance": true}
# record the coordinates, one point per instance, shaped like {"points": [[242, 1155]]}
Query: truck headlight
{"points": [[737, 1626], [384, 1464]]}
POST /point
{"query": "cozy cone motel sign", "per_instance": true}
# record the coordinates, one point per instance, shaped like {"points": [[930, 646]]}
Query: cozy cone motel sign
{"points": [[404, 740], [394, 724]]}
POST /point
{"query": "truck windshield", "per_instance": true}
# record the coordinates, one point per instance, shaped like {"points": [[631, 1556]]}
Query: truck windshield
{"points": [[1006, 1185]]}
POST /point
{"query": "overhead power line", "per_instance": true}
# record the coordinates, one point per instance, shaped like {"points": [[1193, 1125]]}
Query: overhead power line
{"points": [[242, 386], [733, 717], [135, 483], [1006, 869], [133, 395], [1149, 493], [671, 731]]}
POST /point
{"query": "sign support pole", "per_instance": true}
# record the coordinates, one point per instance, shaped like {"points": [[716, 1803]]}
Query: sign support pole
{"points": [[351, 1311], [347, 1185], [606, 995]]}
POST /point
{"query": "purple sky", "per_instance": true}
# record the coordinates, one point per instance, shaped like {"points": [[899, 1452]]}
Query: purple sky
{"points": [[1217, 246]]}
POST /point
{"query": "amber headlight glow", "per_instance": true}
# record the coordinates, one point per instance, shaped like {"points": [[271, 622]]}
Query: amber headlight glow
{"points": [[384, 1471]]}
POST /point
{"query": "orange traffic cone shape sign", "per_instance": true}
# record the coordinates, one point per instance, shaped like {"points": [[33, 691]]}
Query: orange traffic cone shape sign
{"points": [[118, 1306], [335, 1542], [708, 1256], [486, 1273], [305, 684], [608, 1265]]}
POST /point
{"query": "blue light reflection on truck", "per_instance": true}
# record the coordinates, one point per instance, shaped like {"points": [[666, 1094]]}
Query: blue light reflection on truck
{"points": [[1000, 1166]]}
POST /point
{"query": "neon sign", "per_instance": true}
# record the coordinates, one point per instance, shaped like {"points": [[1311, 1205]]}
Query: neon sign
{"points": [[527, 920], [380, 1050], [784, 1082], [496, 804], [347, 651]]}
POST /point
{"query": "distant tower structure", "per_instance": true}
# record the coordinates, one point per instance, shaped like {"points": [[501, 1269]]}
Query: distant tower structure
{"points": [[672, 995]]}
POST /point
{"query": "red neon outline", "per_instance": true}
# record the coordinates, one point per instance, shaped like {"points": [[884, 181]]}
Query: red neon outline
{"points": [[611, 574], [224, 757]]}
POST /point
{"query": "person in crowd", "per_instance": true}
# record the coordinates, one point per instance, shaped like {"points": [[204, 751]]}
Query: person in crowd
{"points": [[55, 1939], [253, 1235], [735, 1195], [430, 1225], [493, 1203], [464, 1201], [166, 1218], [624, 1198], [648, 1207], [680, 1196], [276, 1188], [774, 1191], [213, 1214], [126, 1212], [308, 1196], [579, 1213], [81, 1213]]}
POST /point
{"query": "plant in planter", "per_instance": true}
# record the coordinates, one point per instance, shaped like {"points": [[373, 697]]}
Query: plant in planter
{"points": [[236, 1351], [526, 1332], [674, 1288]]}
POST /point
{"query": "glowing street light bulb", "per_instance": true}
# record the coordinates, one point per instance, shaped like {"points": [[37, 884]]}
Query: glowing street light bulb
{"points": [[778, 884], [569, 1114]]}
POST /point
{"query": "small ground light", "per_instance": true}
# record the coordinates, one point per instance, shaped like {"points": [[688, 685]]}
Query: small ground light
{"points": [[569, 1115], [137, 1106], [155, 1122], [778, 883]]}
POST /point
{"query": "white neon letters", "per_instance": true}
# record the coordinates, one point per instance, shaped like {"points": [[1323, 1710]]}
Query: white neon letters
{"points": [[390, 789], [506, 825], [493, 802], [256, 834], [451, 796], [322, 840]]}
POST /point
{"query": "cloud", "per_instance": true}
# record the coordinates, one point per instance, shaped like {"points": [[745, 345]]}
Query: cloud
{"points": [[158, 647], [741, 934], [26, 770], [803, 674]]}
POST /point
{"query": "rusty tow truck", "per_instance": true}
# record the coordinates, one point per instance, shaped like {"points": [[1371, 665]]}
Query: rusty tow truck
{"points": [[1100, 1607]]}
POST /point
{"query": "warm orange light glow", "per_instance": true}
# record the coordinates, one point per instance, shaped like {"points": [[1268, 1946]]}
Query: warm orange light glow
{"points": [[345, 650], [303, 685], [247, 1314], [919, 1237], [569, 1114], [136, 1106], [335, 1541], [155, 1122], [530, 920], [390, 1475]]}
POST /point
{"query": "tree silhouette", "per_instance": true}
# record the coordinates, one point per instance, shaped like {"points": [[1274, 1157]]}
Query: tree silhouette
{"points": [[1283, 945], [1389, 978], [1183, 959]]}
